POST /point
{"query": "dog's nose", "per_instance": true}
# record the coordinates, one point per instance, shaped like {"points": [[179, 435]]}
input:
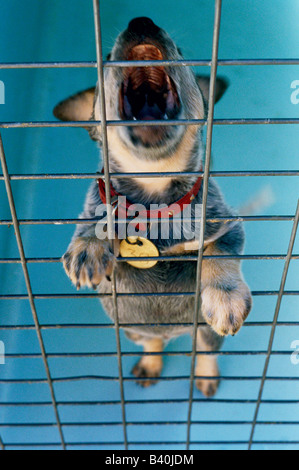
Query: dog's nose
{"points": [[143, 26]]}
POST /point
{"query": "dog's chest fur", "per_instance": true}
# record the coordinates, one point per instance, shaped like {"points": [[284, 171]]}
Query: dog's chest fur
{"points": [[166, 277]]}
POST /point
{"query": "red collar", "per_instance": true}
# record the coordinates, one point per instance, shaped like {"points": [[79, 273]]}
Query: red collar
{"points": [[172, 210]]}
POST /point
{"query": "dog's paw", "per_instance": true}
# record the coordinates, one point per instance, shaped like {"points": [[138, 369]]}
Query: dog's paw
{"points": [[208, 387], [87, 261], [149, 367], [226, 309]]}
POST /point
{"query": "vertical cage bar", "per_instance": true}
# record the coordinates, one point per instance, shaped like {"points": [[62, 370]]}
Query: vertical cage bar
{"points": [[105, 152], [210, 122], [275, 319], [2, 446], [28, 284]]}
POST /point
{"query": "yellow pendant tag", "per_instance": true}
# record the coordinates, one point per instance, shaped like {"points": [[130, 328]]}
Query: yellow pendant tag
{"points": [[138, 247]]}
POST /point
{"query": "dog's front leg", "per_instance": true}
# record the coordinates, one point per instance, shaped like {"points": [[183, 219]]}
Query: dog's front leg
{"points": [[88, 259], [226, 299]]}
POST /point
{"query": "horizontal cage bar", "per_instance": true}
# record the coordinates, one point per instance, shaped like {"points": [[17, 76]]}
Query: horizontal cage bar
{"points": [[216, 174], [132, 379], [149, 401], [154, 123], [55, 355], [147, 63], [148, 423], [251, 218], [131, 294], [130, 325], [161, 258]]}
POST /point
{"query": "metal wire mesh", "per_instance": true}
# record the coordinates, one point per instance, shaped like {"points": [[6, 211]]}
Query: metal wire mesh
{"points": [[214, 63]]}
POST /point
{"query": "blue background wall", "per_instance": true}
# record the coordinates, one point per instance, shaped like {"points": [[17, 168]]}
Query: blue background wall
{"points": [[63, 30]]}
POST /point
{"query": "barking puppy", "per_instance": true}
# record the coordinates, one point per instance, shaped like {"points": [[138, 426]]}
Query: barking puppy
{"points": [[158, 93]]}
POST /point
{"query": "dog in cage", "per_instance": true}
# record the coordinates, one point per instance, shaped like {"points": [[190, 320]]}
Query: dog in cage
{"points": [[143, 94]]}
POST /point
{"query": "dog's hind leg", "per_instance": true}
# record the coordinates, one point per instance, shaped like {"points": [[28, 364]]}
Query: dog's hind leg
{"points": [[150, 365], [206, 364]]}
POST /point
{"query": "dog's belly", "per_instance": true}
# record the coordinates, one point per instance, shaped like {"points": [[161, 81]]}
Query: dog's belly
{"points": [[166, 314]]}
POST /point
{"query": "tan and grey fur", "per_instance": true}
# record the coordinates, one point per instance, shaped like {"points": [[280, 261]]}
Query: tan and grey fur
{"points": [[226, 299]]}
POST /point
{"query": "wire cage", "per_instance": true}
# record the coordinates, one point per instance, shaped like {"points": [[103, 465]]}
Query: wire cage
{"points": [[113, 430]]}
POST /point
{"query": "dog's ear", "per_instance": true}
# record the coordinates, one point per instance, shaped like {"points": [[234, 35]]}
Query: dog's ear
{"points": [[204, 85], [76, 108]]}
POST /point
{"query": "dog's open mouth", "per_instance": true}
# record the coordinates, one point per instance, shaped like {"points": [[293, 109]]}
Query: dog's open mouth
{"points": [[147, 93]]}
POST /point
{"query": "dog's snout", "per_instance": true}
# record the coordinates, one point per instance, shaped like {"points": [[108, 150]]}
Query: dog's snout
{"points": [[143, 26]]}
